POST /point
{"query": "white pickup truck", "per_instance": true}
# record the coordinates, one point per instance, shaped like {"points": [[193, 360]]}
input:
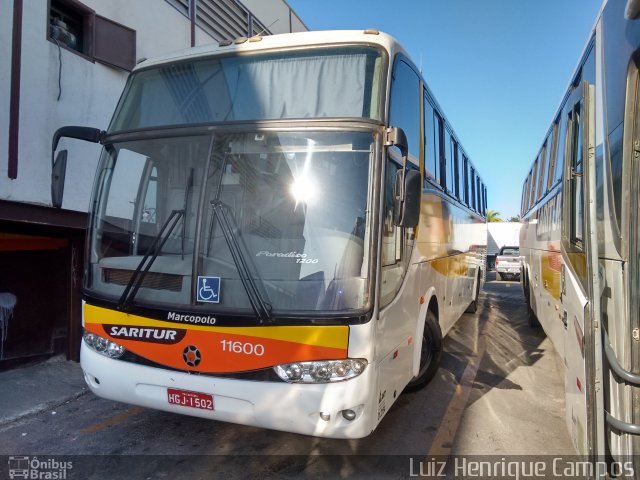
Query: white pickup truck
{"points": [[508, 263]]}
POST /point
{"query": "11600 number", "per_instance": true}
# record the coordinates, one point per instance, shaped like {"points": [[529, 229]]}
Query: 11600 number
{"points": [[242, 347]]}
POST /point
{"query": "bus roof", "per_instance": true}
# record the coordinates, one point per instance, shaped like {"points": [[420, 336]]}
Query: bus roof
{"points": [[280, 41]]}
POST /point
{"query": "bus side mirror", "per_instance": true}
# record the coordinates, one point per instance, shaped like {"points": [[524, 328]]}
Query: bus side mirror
{"points": [[407, 209], [57, 178], [406, 204]]}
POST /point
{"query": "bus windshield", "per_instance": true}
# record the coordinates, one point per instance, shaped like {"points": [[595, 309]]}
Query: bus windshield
{"points": [[291, 208], [281, 85]]}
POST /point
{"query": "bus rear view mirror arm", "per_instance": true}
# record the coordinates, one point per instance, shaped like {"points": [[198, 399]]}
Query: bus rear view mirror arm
{"points": [[87, 134], [59, 162], [397, 138]]}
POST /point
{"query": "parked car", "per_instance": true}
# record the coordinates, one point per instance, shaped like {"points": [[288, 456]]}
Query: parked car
{"points": [[508, 263]]}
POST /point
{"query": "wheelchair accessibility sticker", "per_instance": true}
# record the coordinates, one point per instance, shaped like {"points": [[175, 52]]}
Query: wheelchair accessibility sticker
{"points": [[209, 289]]}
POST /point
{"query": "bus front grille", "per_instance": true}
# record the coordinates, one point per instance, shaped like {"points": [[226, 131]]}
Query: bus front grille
{"points": [[158, 281]]}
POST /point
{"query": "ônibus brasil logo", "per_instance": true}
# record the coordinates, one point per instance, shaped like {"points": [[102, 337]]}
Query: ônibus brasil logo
{"points": [[35, 468]]}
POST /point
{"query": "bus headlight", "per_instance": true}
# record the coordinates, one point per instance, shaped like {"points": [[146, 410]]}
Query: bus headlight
{"points": [[103, 346], [322, 371]]}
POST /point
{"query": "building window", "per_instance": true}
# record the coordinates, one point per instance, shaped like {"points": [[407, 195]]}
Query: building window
{"points": [[77, 28], [71, 25]]}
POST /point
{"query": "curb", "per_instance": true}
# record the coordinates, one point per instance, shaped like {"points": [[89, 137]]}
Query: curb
{"points": [[41, 407]]}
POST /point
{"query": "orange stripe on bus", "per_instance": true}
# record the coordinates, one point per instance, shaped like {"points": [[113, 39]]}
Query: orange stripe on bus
{"points": [[223, 352]]}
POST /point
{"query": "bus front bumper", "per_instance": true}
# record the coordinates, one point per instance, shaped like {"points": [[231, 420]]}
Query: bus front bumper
{"points": [[310, 409]]}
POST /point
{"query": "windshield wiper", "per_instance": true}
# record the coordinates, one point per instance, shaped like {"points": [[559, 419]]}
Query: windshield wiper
{"points": [[151, 254], [187, 191], [261, 308]]}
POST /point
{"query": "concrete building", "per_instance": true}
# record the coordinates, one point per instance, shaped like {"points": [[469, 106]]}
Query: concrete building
{"points": [[65, 62]]}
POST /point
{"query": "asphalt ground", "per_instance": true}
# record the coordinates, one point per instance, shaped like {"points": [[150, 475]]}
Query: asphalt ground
{"points": [[499, 392]]}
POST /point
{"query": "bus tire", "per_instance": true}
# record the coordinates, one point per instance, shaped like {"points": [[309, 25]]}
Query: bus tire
{"points": [[430, 354], [532, 319], [473, 306]]}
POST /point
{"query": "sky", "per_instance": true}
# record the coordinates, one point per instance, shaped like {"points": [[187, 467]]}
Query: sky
{"points": [[498, 69]]}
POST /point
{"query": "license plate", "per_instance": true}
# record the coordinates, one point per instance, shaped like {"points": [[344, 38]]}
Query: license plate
{"points": [[185, 398]]}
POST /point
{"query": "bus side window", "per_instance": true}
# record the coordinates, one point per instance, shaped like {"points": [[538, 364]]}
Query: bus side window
{"points": [[484, 211], [404, 108], [534, 183], [391, 244], [472, 181], [575, 177], [404, 112], [560, 149], [465, 179], [430, 150], [544, 166], [552, 145], [460, 167], [449, 162], [528, 198], [394, 257], [442, 162], [454, 168]]}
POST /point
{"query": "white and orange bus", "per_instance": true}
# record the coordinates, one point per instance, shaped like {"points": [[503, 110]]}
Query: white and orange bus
{"points": [[282, 229]]}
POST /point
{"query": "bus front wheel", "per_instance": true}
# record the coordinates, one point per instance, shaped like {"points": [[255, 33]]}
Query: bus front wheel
{"points": [[430, 353]]}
